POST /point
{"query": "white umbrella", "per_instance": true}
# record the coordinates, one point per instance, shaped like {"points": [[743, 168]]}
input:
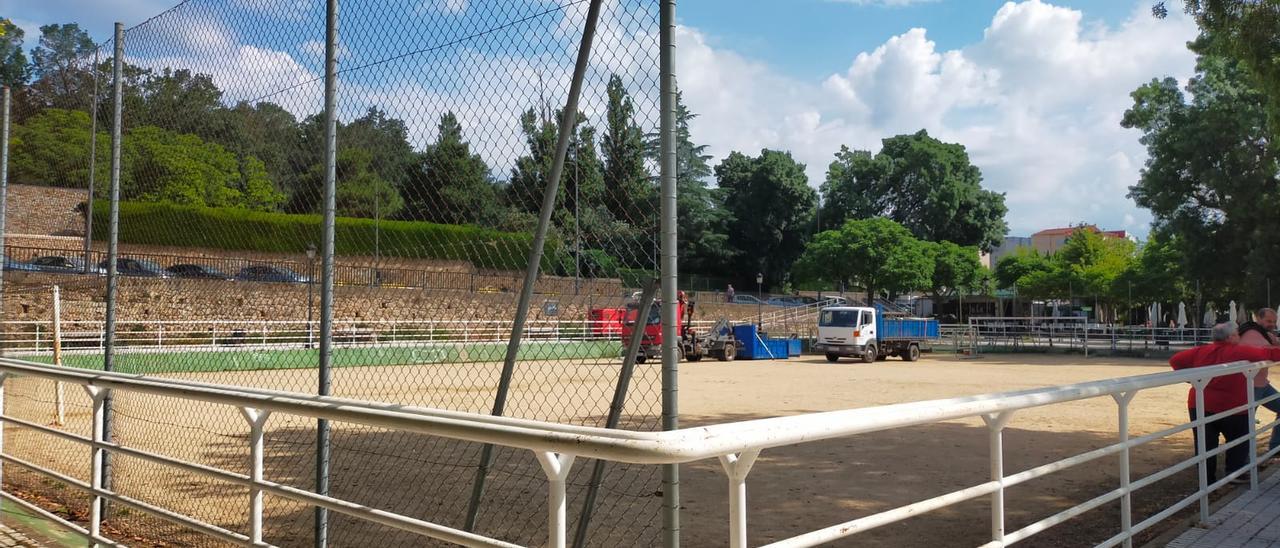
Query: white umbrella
{"points": [[1182, 315], [1231, 311], [1210, 315]]}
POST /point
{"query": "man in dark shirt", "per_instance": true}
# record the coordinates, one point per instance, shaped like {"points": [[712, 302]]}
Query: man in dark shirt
{"points": [[1223, 393]]}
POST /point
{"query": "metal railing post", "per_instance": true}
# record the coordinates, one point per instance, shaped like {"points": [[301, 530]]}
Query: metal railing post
{"points": [[257, 419], [327, 265], [1126, 498], [1253, 430], [736, 467], [1201, 465], [3, 377], [995, 425], [98, 458], [113, 240], [556, 466], [568, 122]]}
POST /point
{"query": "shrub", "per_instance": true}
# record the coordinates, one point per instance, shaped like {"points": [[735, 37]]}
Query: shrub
{"points": [[244, 230]]}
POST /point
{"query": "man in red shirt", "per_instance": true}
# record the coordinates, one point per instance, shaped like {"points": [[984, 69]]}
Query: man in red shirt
{"points": [[1223, 393]]}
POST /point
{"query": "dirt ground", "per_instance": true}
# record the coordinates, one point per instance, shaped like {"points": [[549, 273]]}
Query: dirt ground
{"points": [[790, 490]]}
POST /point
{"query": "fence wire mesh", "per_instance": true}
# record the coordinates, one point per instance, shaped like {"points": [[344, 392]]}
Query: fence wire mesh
{"points": [[448, 114]]}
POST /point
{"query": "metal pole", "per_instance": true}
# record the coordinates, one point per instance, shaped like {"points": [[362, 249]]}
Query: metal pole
{"points": [[93, 170], [113, 240], [670, 309], [60, 415], [326, 269], [4, 183], [567, 123], [615, 408]]}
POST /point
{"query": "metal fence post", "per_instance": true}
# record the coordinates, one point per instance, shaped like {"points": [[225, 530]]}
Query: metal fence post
{"points": [[113, 238], [326, 265], [568, 121], [1126, 499], [995, 425], [4, 188], [93, 164], [669, 275]]}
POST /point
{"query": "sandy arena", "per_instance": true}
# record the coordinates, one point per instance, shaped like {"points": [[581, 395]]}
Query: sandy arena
{"points": [[790, 490]]}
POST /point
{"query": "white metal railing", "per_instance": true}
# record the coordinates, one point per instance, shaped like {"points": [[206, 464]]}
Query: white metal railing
{"points": [[1069, 334], [736, 445]]}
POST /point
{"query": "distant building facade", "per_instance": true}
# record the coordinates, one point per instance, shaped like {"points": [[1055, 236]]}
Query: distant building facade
{"points": [[1050, 240]]}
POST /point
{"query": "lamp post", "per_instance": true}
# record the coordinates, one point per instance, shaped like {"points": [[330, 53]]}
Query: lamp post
{"points": [[759, 300], [311, 283]]}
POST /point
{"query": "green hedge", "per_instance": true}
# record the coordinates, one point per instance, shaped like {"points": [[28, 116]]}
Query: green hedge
{"points": [[154, 223]]}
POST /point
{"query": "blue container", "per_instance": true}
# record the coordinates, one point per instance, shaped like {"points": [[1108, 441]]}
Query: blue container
{"points": [[756, 348], [793, 347]]}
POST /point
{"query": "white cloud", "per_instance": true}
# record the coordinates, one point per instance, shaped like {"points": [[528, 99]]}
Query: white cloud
{"points": [[452, 7], [1037, 103]]}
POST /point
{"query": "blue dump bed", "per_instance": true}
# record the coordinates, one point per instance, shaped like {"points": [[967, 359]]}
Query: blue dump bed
{"points": [[905, 328]]}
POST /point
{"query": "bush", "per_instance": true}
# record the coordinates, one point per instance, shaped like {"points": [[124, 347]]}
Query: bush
{"points": [[244, 230]]}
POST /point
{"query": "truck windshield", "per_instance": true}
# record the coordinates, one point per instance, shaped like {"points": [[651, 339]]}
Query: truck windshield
{"points": [[655, 314], [839, 318]]}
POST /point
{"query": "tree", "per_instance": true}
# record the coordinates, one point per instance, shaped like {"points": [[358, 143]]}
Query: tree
{"points": [[52, 149], [628, 193], [13, 62], [62, 66], [704, 241], [182, 102], [920, 182], [163, 166], [450, 184], [771, 206], [1017, 265], [1210, 179], [956, 270], [1245, 30], [876, 254]]}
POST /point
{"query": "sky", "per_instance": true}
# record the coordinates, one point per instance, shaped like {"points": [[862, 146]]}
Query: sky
{"points": [[1034, 89]]}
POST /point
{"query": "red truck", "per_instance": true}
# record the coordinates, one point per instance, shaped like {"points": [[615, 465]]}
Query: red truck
{"points": [[719, 344]]}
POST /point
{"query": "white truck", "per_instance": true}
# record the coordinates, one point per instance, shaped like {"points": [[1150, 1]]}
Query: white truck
{"points": [[871, 333]]}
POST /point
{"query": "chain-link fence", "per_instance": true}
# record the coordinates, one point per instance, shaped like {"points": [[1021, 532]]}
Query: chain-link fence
{"points": [[448, 120]]}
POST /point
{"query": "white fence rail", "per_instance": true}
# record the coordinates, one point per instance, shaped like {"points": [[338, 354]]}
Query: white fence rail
{"points": [[736, 445]]}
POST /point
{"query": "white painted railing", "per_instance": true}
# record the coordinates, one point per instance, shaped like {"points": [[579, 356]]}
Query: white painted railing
{"points": [[736, 445]]}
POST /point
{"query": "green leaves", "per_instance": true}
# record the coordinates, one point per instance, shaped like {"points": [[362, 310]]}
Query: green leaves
{"points": [[771, 207], [876, 254], [920, 182]]}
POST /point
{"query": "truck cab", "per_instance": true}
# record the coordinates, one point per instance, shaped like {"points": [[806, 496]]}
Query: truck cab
{"points": [[847, 331], [872, 333]]}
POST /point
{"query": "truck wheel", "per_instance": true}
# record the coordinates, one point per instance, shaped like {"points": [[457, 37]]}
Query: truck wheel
{"points": [[730, 352], [913, 353], [833, 358], [640, 358], [694, 357], [871, 354]]}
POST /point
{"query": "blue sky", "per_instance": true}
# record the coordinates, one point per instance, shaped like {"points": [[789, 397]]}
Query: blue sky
{"points": [[769, 29], [1034, 89]]}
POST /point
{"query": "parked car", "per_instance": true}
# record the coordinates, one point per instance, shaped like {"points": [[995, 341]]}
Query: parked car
{"points": [[62, 265], [11, 265], [783, 301], [141, 268], [268, 273], [197, 271], [746, 299]]}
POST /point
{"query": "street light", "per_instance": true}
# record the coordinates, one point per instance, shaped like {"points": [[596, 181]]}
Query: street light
{"points": [[311, 282], [759, 300]]}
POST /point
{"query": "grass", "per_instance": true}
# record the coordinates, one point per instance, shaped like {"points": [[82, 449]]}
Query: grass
{"points": [[238, 359]]}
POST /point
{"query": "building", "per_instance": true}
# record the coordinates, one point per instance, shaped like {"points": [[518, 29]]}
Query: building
{"points": [[1008, 246], [1050, 240]]}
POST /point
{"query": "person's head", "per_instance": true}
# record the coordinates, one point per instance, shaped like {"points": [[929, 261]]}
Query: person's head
{"points": [[1266, 317], [1226, 332]]}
